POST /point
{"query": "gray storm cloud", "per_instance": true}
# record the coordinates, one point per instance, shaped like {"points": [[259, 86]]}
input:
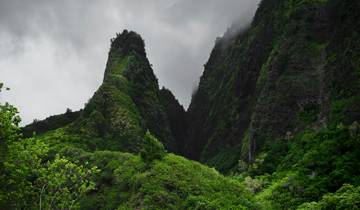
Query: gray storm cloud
{"points": [[53, 53]]}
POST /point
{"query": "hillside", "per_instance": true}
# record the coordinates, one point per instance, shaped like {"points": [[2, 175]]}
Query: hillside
{"points": [[295, 68], [122, 109], [108, 156], [279, 102]]}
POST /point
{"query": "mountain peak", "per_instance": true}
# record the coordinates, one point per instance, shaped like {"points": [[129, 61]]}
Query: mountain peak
{"points": [[124, 47], [128, 41]]}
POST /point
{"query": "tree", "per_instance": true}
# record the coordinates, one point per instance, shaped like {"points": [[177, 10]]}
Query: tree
{"points": [[62, 183], [9, 127], [21, 169], [31, 182], [9, 132], [152, 149], [29, 177], [347, 197]]}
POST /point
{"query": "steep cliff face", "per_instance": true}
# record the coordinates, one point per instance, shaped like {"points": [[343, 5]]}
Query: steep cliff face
{"points": [[295, 67]]}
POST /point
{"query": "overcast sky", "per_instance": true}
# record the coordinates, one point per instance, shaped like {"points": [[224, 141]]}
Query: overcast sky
{"points": [[53, 53]]}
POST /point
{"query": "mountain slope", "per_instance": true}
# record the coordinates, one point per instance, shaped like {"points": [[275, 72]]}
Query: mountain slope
{"points": [[278, 105], [50, 123], [276, 110], [82, 161], [126, 104], [177, 118], [296, 67]]}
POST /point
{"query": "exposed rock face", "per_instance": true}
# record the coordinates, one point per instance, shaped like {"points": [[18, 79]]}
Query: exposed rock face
{"points": [[296, 66]]}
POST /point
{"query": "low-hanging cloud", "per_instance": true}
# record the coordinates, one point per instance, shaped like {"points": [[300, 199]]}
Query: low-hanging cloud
{"points": [[53, 53]]}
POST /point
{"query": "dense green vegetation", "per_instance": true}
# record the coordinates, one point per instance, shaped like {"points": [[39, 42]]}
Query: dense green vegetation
{"points": [[305, 167], [277, 104], [83, 163], [50, 123], [43, 173], [277, 113], [347, 197], [294, 68]]}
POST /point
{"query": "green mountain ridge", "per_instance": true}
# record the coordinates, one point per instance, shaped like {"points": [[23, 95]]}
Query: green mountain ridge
{"points": [[114, 159], [277, 78], [275, 112], [123, 108]]}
